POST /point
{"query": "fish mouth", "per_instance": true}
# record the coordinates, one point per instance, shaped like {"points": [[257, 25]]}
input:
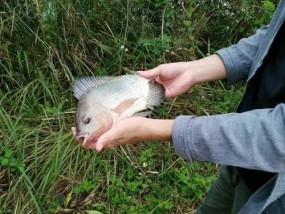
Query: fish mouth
{"points": [[85, 138], [92, 138], [81, 137]]}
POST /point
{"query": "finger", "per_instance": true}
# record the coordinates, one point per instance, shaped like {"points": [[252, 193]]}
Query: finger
{"points": [[100, 143], [103, 141], [73, 129], [150, 73], [168, 94], [99, 147], [90, 146]]}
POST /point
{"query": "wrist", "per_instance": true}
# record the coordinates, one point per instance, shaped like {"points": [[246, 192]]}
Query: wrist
{"points": [[155, 129], [206, 69]]}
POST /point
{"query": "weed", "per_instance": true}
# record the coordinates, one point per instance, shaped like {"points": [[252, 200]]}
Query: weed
{"points": [[45, 45], [8, 160]]}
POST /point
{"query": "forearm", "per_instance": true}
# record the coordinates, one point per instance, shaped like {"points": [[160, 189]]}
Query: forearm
{"points": [[253, 139], [207, 69], [155, 129], [134, 129]]}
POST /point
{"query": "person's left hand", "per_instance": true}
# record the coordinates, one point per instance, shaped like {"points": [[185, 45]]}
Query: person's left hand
{"points": [[124, 131], [132, 129]]}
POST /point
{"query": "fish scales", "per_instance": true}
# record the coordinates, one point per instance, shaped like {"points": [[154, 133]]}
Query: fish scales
{"points": [[119, 90]]}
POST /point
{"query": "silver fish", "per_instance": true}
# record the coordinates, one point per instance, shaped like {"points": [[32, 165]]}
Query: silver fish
{"points": [[103, 100]]}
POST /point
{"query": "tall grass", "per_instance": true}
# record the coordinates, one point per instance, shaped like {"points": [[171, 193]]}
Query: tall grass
{"points": [[45, 45]]}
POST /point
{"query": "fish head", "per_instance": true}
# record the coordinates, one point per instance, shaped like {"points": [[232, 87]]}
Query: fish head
{"points": [[92, 120]]}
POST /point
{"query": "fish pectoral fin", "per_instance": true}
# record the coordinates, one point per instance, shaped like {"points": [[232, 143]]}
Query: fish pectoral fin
{"points": [[123, 106], [129, 107]]}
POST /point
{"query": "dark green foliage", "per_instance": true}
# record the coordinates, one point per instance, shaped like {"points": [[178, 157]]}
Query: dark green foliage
{"points": [[225, 22], [45, 45]]}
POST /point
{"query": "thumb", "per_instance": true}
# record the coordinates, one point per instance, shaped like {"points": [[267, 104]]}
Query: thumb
{"points": [[100, 144], [150, 73], [103, 141], [99, 147]]}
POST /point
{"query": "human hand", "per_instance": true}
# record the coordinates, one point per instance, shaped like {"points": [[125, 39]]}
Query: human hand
{"points": [[179, 77], [175, 77], [130, 130], [124, 131]]}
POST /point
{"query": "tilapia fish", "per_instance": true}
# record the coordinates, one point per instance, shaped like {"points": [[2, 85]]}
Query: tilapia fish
{"points": [[103, 100]]}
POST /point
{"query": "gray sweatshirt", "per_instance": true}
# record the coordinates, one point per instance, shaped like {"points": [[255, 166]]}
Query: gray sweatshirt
{"points": [[254, 139]]}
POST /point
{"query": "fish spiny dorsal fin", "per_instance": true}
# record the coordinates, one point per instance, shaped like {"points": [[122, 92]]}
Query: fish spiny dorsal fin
{"points": [[85, 83]]}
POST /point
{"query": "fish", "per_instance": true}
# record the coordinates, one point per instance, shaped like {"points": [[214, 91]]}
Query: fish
{"points": [[104, 100]]}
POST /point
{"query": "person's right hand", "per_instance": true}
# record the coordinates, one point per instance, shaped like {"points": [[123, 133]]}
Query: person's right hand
{"points": [[179, 77], [175, 77]]}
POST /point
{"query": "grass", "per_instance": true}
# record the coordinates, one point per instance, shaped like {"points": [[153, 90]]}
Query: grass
{"points": [[44, 46]]}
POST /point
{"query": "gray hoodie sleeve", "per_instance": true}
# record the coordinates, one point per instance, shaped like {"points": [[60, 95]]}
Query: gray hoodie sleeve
{"points": [[253, 139], [236, 139], [238, 58]]}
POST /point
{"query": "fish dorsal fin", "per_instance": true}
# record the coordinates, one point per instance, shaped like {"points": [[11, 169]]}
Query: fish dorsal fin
{"points": [[85, 83]]}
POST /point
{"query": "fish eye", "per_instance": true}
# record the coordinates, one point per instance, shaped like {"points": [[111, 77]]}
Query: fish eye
{"points": [[86, 120]]}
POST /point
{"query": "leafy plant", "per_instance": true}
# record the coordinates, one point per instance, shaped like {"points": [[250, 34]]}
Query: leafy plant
{"points": [[9, 160], [45, 45]]}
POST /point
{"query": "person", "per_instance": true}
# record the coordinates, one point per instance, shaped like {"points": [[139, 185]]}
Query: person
{"points": [[249, 144]]}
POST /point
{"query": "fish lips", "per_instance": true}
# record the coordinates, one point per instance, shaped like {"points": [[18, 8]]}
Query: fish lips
{"points": [[86, 137], [81, 137]]}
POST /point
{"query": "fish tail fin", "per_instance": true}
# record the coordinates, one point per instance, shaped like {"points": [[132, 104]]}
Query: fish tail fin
{"points": [[143, 113], [156, 95]]}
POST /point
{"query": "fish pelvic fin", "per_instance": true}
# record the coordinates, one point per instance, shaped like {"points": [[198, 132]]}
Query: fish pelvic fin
{"points": [[83, 84]]}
